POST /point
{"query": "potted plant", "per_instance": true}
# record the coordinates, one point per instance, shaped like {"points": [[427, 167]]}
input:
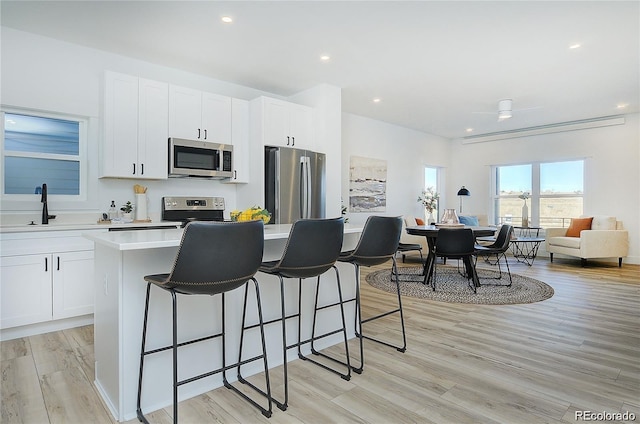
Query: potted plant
{"points": [[126, 209]]}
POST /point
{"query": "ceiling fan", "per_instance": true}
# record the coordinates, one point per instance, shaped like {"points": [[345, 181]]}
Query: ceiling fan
{"points": [[505, 109]]}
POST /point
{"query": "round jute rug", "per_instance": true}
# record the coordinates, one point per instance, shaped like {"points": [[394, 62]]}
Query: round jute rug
{"points": [[453, 288]]}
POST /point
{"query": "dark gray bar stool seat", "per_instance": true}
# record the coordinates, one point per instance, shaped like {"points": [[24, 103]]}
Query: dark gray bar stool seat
{"points": [[213, 258]]}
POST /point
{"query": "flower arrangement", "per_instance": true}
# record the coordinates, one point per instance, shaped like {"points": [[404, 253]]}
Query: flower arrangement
{"points": [[253, 213], [429, 199], [524, 196]]}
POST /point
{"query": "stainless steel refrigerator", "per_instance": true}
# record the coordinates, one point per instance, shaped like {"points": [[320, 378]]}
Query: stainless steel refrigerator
{"points": [[294, 185]]}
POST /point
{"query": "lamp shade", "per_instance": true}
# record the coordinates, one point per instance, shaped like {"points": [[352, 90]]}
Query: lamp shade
{"points": [[463, 192]]}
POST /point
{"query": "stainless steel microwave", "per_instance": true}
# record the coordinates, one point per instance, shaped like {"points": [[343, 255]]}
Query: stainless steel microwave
{"points": [[190, 158]]}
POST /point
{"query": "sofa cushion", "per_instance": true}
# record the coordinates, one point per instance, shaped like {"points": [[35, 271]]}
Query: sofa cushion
{"points": [[419, 221], [577, 225], [570, 242], [603, 223], [471, 221]]}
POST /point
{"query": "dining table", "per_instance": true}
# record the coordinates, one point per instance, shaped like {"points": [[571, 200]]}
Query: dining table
{"points": [[430, 232]]}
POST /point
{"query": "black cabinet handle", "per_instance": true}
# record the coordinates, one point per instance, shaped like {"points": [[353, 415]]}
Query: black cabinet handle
{"points": [[235, 175], [205, 134], [198, 133], [134, 169], [46, 264], [58, 263], [142, 168], [288, 140], [293, 141]]}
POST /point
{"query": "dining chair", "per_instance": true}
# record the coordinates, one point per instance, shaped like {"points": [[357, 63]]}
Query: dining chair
{"points": [[458, 243], [213, 258], [377, 244], [312, 248], [498, 249]]}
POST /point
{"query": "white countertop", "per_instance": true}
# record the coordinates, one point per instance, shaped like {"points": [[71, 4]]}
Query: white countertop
{"points": [[153, 239]]}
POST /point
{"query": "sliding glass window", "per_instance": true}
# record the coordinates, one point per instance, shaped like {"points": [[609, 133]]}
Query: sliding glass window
{"points": [[552, 191]]}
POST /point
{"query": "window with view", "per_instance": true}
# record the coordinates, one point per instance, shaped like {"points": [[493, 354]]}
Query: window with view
{"points": [[553, 191], [431, 180], [41, 149]]}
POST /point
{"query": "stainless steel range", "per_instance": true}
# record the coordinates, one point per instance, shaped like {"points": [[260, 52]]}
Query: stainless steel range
{"points": [[186, 209]]}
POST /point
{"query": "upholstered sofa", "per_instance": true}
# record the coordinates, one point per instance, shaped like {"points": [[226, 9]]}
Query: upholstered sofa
{"points": [[603, 237]]}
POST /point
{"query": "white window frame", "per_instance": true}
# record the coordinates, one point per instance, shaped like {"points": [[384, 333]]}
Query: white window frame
{"points": [[20, 201], [535, 195]]}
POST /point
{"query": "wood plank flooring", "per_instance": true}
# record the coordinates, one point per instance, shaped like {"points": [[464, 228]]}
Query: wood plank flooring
{"points": [[536, 363]]}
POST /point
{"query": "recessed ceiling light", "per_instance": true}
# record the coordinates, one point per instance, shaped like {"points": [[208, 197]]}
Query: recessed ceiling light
{"points": [[469, 130], [575, 46], [325, 58], [227, 19], [622, 105], [377, 100]]}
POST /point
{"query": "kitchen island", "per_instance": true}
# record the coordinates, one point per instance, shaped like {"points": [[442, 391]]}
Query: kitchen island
{"points": [[122, 259]]}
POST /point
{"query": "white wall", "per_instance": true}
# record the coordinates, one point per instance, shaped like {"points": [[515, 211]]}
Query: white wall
{"points": [[406, 151], [612, 176], [68, 78]]}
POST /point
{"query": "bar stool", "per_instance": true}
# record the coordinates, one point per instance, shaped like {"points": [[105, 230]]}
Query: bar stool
{"points": [[312, 248], [213, 258], [378, 243]]}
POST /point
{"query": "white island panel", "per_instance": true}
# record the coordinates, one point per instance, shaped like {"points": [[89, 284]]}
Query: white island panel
{"points": [[124, 258]]}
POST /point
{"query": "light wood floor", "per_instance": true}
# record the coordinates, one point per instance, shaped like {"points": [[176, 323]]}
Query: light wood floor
{"points": [[536, 363]]}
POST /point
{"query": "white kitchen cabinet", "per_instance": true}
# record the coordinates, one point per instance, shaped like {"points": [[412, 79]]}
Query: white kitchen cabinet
{"points": [[198, 115], [44, 287], [25, 290], [284, 123], [45, 277], [136, 119], [240, 141]]}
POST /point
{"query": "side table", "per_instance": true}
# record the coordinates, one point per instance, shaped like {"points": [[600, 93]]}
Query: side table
{"points": [[525, 244]]}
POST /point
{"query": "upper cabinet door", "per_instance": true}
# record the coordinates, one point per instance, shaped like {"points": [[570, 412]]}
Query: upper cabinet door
{"points": [[287, 124], [185, 113], [216, 118], [276, 122], [197, 115], [153, 129], [135, 128], [120, 147], [301, 126]]}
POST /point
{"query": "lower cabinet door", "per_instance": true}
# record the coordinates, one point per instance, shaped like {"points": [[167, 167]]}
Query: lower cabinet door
{"points": [[25, 289], [72, 284]]}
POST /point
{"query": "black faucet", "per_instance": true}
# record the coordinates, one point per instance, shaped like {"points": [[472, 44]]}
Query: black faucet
{"points": [[45, 210]]}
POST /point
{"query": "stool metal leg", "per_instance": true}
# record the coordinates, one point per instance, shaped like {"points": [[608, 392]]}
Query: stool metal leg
{"points": [[347, 363], [266, 412], [361, 321], [141, 416]]}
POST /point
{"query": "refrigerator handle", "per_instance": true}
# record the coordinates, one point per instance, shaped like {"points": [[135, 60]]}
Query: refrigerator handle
{"points": [[308, 189], [305, 187]]}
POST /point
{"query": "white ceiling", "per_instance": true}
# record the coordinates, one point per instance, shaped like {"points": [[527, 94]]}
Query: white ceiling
{"points": [[433, 64]]}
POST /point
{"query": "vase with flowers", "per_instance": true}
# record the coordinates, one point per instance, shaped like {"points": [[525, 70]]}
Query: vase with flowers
{"points": [[525, 209], [429, 199]]}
